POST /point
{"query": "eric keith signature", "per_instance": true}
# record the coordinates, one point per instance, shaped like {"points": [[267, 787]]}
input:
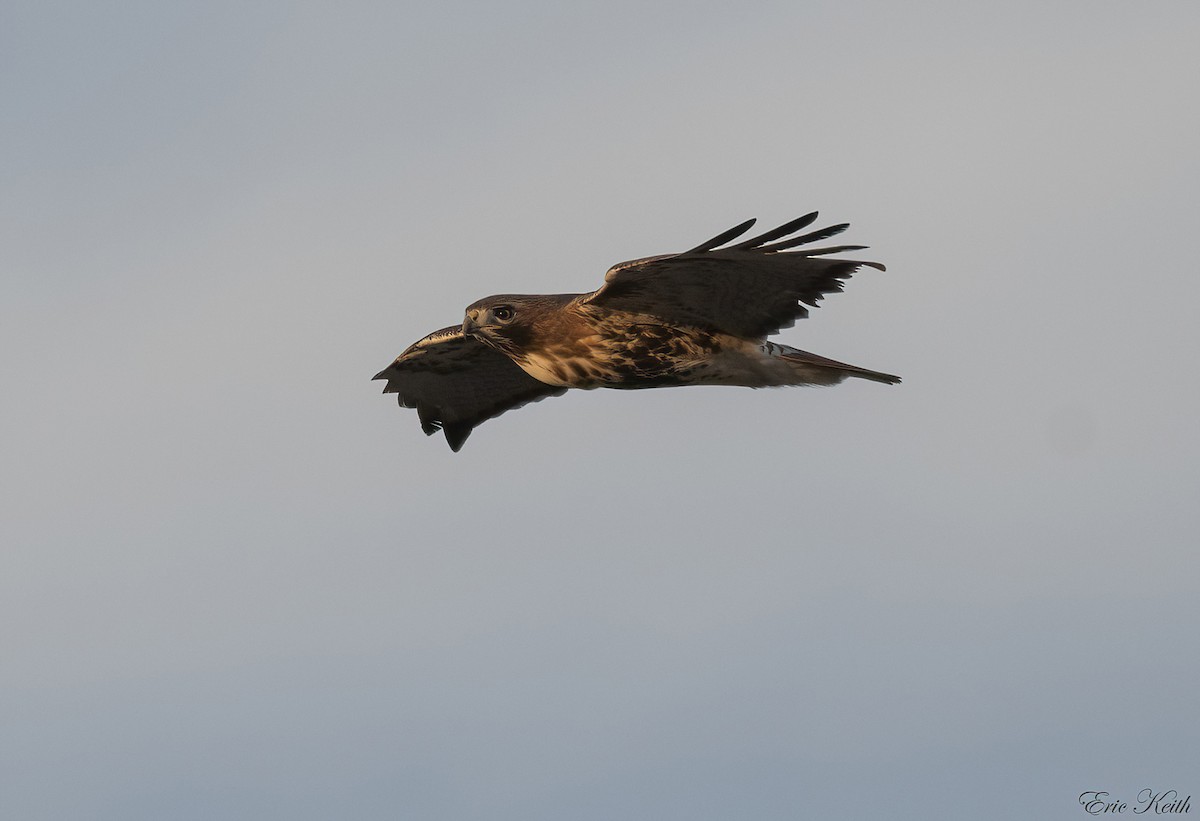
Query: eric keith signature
{"points": [[1097, 802]]}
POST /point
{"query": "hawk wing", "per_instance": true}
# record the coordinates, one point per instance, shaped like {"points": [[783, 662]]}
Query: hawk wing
{"points": [[457, 383], [749, 290]]}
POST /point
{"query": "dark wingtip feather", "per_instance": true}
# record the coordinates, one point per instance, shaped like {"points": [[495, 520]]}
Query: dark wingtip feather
{"points": [[833, 249], [724, 237], [775, 233], [815, 236], [456, 436], [428, 419]]}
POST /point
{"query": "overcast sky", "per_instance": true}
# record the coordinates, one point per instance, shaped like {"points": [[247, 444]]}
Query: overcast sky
{"points": [[236, 582]]}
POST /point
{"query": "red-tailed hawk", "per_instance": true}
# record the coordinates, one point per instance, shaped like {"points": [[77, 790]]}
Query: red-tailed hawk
{"points": [[697, 318]]}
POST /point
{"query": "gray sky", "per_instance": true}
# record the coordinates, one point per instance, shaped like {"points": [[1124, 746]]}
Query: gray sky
{"points": [[238, 583]]}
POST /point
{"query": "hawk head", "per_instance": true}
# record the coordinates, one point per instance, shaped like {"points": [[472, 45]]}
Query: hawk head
{"points": [[511, 322]]}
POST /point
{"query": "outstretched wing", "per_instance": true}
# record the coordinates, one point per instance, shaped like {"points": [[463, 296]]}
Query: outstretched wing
{"points": [[750, 290], [457, 383]]}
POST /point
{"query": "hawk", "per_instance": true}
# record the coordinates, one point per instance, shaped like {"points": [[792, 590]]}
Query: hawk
{"points": [[697, 318]]}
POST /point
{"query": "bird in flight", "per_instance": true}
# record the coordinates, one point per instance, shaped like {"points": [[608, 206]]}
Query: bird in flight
{"points": [[701, 317]]}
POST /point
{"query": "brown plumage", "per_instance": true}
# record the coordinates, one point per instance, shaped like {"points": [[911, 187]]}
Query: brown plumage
{"points": [[697, 318]]}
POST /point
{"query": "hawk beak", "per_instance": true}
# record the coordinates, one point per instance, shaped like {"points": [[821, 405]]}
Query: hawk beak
{"points": [[469, 326]]}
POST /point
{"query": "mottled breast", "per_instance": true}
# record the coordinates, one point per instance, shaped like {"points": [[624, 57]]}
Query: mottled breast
{"points": [[624, 351]]}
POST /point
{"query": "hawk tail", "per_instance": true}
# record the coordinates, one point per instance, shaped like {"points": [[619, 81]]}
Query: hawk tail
{"points": [[811, 369]]}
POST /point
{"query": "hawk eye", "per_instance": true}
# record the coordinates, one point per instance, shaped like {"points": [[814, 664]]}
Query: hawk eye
{"points": [[503, 313]]}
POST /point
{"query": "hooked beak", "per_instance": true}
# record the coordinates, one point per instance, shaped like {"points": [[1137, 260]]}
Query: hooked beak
{"points": [[469, 325]]}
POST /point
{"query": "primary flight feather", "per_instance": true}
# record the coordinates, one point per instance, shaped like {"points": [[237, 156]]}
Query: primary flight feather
{"points": [[701, 317]]}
